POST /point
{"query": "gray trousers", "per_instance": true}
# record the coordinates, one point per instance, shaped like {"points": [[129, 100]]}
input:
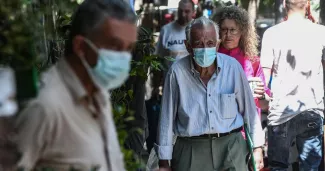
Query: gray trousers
{"points": [[226, 153]]}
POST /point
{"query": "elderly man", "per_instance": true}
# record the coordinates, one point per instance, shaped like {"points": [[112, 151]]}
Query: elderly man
{"points": [[206, 101], [70, 124]]}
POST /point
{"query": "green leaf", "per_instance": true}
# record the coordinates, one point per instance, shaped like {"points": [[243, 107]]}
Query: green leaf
{"points": [[130, 93], [170, 58], [130, 118]]}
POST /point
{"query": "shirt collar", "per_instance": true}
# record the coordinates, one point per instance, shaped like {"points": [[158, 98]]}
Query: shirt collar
{"points": [[218, 62], [229, 52], [71, 80]]}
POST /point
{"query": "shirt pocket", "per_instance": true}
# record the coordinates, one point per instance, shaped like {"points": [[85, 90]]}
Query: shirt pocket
{"points": [[227, 106]]}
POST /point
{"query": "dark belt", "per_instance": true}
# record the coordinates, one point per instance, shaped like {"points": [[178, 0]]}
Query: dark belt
{"points": [[218, 135]]}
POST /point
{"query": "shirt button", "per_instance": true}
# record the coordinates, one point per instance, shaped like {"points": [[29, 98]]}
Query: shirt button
{"points": [[209, 95], [210, 111], [212, 128]]}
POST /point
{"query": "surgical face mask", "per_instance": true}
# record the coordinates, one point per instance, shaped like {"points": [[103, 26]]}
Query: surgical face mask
{"points": [[8, 108], [205, 57], [112, 68]]}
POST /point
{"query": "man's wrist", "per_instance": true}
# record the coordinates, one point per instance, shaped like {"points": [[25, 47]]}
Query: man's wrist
{"points": [[258, 148]]}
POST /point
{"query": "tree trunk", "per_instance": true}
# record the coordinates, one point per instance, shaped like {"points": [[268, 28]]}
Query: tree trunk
{"points": [[279, 11], [322, 12], [252, 8]]}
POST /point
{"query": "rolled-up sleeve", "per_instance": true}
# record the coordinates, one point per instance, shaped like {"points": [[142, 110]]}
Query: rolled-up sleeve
{"points": [[164, 146], [247, 108], [35, 127]]}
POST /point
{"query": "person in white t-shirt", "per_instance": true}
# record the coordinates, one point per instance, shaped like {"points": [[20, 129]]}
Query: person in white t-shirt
{"points": [[171, 43], [293, 52]]}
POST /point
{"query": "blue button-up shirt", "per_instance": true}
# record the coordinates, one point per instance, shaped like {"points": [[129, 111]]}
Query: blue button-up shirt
{"points": [[191, 108]]}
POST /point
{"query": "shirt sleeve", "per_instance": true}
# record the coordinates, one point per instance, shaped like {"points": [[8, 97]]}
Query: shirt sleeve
{"points": [[34, 127], [169, 106], [247, 108], [267, 56], [323, 55], [322, 32]]}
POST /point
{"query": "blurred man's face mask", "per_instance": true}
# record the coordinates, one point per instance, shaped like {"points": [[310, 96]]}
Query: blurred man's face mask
{"points": [[112, 68]]}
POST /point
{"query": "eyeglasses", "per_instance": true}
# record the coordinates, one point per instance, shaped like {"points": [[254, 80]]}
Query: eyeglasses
{"points": [[231, 31]]}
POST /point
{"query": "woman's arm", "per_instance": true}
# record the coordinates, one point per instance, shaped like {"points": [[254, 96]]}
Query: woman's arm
{"points": [[258, 72]]}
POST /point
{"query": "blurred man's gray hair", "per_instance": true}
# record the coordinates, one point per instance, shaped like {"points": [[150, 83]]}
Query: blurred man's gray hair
{"points": [[92, 13], [296, 4], [202, 21]]}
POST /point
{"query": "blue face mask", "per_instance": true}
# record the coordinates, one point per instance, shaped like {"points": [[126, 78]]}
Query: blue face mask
{"points": [[112, 68], [205, 57]]}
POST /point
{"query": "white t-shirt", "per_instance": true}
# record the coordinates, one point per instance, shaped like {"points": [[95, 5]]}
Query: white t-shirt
{"points": [[171, 42], [295, 49]]}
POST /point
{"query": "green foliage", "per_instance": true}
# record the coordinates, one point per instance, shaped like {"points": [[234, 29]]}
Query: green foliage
{"points": [[30, 31], [122, 97]]}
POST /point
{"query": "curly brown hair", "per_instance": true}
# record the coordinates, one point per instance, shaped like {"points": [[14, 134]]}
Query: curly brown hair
{"points": [[249, 39]]}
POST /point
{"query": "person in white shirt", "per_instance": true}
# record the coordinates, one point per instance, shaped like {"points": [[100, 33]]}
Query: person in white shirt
{"points": [[70, 125], [171, 42], [294, 51]]}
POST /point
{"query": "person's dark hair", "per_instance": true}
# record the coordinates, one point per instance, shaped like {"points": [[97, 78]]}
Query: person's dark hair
{"points": [[91, 13], [188, 1], [292, 5]]}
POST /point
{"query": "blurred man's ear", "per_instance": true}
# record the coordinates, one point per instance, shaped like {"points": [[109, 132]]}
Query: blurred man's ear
{"points": [[188, 47]]}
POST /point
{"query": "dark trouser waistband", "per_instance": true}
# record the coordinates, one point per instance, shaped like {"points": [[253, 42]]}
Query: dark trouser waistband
{"points": [[216, 135]]}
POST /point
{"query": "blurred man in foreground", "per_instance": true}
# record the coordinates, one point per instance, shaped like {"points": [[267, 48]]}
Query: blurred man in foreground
{"points": [[70, 124]]}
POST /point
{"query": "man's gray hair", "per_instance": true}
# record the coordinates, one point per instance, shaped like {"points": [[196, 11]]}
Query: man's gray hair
{"points": [[296, 4], [202, 21], [91, 14]]}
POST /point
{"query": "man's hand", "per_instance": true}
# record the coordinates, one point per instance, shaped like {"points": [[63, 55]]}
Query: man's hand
{"points": [[258, 156]]}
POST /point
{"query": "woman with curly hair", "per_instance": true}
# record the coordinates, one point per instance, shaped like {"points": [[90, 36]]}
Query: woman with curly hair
{"points": [[240, 40]]}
